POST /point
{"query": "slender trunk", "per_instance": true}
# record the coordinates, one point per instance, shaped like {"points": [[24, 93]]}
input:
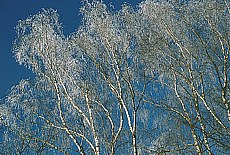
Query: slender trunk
{"points": [[224, 88], [112, 150], [96, 140], [81, 150], [134, 138], [97, 146], [196, 145], [202, 128]]}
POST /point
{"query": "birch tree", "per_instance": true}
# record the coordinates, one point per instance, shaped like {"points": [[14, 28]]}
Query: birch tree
{"points": [[146, 80], [86, 87], [194, 66]]}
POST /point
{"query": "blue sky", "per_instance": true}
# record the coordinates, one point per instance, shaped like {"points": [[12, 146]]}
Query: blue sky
{"points": [[13, 10]]}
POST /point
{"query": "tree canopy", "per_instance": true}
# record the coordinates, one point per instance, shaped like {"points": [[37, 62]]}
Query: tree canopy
{"points": [[151, 79]]}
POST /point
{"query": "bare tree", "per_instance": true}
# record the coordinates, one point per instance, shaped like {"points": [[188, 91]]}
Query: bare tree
{"points": [[89, 86], [194, 66], [150, 80]]}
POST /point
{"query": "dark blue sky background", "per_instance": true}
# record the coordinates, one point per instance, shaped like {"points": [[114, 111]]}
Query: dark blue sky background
{"points": [[13, 10]]}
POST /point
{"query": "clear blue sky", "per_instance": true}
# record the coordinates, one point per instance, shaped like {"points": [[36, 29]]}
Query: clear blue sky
{"points": [[13, 10]]}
